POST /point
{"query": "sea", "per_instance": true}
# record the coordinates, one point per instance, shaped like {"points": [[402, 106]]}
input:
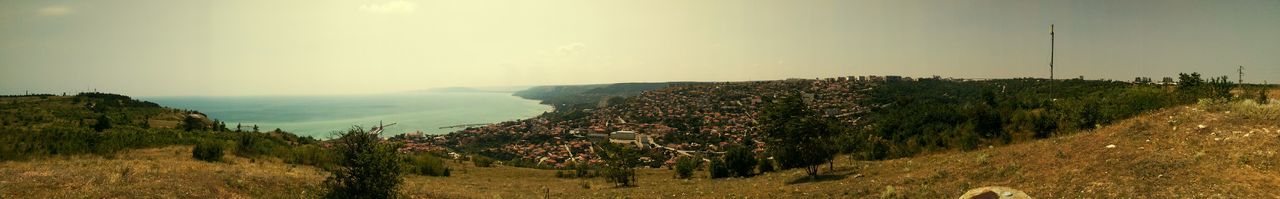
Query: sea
{"points": [[321, 116]]}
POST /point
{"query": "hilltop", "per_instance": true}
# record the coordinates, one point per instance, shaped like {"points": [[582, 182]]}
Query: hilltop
{"points": [[1206, 150]]}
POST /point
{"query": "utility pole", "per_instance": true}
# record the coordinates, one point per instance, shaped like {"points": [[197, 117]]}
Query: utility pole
{"points": [[1241, 79], [1051, 48]]}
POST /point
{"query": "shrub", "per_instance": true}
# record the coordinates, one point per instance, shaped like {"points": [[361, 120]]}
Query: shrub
{"points": [[685, 166], [367, 168], [208, 151], [717, 168], [1249, 109], [1262, 96], [426, 164], [766, 165], [741, 161], [582, 170], [620, 176], [481, 161], [103, 123]]}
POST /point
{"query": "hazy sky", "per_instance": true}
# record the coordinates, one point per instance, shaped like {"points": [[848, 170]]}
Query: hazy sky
{"points": [[268, 47]]}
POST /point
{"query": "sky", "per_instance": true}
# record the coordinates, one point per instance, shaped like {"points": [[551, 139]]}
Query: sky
{"points": [[324, 47]]}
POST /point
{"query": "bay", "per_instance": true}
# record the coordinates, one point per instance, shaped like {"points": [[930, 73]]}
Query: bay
{"points": [[320, 116]]}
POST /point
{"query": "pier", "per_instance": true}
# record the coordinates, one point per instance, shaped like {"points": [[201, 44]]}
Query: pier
{"points": [[464, 125]]}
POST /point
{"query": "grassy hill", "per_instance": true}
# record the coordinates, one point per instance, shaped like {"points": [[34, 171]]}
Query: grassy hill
{"points": [[1207, 150]]}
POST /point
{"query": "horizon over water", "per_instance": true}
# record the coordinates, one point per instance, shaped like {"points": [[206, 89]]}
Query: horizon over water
{"points": [[319, 116]]}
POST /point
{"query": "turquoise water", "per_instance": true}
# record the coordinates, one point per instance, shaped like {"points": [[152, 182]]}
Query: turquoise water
{"points": [[320, 116]]}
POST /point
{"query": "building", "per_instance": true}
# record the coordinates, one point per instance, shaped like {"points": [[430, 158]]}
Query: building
{"points": [[597, 137], [630, 138], [623, 135]]}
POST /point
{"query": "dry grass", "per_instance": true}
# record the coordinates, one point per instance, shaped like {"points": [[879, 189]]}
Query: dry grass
{"points": [[1164, 154], [155, 173]]}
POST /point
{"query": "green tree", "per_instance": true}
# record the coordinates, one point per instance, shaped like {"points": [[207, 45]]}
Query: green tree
{"points": [[796, 137], [685, 166], [367, 168], [741, 161], [1189, 80], [620, 163]]}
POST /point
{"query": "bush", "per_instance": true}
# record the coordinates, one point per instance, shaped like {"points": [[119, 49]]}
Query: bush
{"points": [[741, 161], [102, 123], [620, 176], [717, 168], [367, 168], [481, 161], [207, 151], [1262, 96], [685, 166], [766, 165], [583, 170], [427, 165], [1249, 109]]}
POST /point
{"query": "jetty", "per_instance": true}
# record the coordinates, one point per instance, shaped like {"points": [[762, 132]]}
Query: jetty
{"points": [[464, 125]]}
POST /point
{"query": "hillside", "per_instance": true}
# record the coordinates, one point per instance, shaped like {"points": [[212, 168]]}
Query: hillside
{"points": [[1162, 154], [590, 94], [1195, 151]]}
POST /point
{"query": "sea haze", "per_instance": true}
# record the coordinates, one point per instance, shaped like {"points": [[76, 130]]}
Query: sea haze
{"points": [[319, 116]]}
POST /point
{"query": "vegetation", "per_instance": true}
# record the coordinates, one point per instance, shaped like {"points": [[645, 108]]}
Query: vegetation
{"points": [[909, 118], [740, 161], [571, 95], [426, 165], [717, 168], [797, 138], [367, 168], [208, 151], [481, 161], [620, 163], [765, 166], [685, 166]]}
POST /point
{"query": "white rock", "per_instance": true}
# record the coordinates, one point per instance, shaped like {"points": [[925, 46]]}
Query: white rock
{"points": [[1202, 126], [1111, 146]]}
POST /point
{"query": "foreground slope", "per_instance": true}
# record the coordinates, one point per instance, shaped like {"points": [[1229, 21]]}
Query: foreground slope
{"points": [[1164, 154], [168, 172], [1197, 151]]}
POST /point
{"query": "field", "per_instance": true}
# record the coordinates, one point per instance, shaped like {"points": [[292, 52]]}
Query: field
{"points": [[1196, 151]]}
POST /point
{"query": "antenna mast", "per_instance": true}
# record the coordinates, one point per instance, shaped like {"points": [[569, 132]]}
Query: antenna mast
{"points": [[1241, 79], [1051, 48]]}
